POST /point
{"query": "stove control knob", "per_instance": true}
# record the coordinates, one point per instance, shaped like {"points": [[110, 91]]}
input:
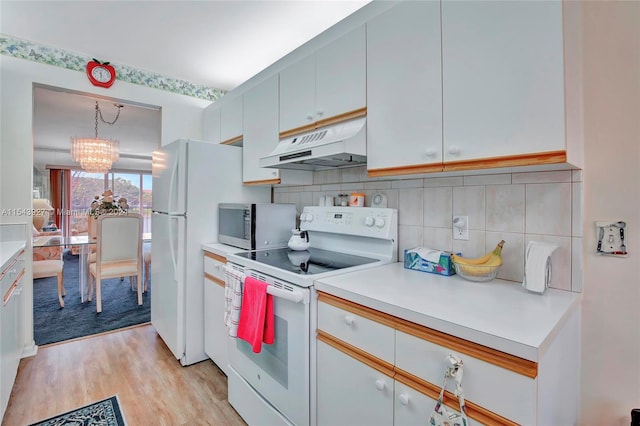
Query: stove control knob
{"points": [[369, 221], [309, 217], [380, 222], [303, 217]]}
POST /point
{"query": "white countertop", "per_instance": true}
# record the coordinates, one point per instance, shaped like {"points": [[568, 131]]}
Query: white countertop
{"points": [[498, 314], [221, 249], [8, 249]]}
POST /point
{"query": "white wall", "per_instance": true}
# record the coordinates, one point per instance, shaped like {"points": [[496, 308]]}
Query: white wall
{"points": [[181, 118], [611, 304]]}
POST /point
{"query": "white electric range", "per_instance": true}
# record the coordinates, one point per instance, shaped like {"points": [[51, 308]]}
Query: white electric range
{"points": [[275, 386]]}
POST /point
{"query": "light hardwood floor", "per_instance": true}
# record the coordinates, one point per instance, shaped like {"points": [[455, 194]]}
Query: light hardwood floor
{"points": [[153, 388]]}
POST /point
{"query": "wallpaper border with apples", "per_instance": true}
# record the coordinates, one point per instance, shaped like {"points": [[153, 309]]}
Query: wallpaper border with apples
{"points": [[31, 51]]}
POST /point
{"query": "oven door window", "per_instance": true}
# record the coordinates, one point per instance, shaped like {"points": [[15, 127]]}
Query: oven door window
{"points": [[273, 359]]}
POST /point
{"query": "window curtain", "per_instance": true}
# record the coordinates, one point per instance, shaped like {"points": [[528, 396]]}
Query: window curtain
{"points": [[60, 182]]}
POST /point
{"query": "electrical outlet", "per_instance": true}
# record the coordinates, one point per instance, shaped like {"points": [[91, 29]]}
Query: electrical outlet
{"points": [[461, 228]]}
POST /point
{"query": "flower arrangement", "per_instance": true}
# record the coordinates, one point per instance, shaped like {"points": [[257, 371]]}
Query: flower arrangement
{"points": [[106, 205]]}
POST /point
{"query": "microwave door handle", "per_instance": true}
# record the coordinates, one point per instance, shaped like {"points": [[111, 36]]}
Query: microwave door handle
{"points": [[295, 297]]}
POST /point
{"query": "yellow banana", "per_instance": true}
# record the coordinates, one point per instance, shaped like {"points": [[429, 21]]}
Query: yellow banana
{"points": [[489, 257]]}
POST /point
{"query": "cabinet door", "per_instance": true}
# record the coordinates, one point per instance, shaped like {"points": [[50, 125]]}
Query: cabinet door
{"points": [[503, 77], [215, 332], [350, 392], [412, 407], [404, 88], [231, 120], [341, 85], [211, 124], [260, 130], [297, 94]]}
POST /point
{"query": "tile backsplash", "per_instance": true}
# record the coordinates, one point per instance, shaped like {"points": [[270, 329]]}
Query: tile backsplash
{"points": [[515, 207]]}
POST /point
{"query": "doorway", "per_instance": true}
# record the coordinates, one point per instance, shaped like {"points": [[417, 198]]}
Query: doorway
{"points": [[60, 114]]}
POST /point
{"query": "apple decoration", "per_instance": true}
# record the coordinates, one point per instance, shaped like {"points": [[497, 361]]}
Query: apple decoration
{"points": [[101, 73]]}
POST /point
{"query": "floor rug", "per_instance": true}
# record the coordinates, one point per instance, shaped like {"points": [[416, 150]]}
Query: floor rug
{"points": [[53, 324], [102, 413]]}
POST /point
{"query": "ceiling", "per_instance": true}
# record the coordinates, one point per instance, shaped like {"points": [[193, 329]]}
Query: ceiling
{"points": [[219, 44]]}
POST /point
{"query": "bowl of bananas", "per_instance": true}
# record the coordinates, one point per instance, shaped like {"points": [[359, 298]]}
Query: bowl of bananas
{"points": [[483, 268]]}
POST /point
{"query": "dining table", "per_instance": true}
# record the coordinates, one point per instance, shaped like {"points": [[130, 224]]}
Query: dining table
{"points": [[87, 246]]}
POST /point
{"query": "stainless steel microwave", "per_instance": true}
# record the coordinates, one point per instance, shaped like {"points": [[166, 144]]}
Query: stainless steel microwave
{"points": [[256, 226]]}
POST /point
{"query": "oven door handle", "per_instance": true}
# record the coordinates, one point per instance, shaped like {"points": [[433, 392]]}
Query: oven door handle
{"points": [[291, 296]]}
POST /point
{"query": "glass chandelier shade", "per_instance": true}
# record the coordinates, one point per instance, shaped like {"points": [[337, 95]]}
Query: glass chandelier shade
{"points": [[96, 155]]}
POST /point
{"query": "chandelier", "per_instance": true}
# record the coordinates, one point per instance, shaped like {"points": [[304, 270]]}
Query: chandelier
{"points": [[96, 155]]}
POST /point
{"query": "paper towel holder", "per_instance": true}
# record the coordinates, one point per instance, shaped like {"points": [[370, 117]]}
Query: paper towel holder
{"points": [[547, 267]]}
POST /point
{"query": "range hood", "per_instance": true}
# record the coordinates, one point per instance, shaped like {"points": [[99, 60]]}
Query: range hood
{"points": [[338, 145]]}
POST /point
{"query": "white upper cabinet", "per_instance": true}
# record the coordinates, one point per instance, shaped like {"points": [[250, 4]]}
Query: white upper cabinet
{"points": [[324, 85], [231, 122], [261, 137], [503, 79], [211, 124], [404, 90]]}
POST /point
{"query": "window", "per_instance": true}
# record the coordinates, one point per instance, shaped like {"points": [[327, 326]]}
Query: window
{"points": [[135, 187]]}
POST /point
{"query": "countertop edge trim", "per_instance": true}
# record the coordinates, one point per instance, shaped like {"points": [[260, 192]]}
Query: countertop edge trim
{"points": [[501, 359]]}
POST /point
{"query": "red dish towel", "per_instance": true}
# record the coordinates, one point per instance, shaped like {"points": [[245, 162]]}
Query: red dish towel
{"points": [[256, 315]]}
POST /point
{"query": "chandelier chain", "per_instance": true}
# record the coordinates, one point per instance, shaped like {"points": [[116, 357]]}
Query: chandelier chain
{"points": [[110, 123]]}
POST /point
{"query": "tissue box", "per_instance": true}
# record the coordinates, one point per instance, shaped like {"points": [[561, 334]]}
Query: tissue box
{"points": [[416, 259]]}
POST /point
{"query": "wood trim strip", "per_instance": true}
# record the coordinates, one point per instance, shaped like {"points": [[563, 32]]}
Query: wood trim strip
{"points": [[216, 280], [405, 170], [363, 311], [216, 257], [501, 359], [474, 410], [350, 115], [233, 140], [551, 157], [340, 118], [533, 159], [262, 182], [354, 352]]}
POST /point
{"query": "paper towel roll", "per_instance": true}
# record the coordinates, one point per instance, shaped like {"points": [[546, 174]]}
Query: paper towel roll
{"points": [[537, 266]]}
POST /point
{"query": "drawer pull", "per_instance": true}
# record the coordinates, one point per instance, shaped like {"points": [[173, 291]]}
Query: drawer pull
{"points": [[348, 320], [380, 384], [403, 398]]}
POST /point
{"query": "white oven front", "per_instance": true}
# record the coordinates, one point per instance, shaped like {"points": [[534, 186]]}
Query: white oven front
{"points": [[278, 376]]}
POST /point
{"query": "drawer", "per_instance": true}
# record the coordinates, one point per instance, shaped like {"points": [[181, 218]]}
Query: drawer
{"points": [[214, 265], [499, 390], [373, 337]]}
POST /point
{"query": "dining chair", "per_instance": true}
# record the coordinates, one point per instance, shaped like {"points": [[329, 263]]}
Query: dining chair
{"points": [[118, 253], [48, 262]]}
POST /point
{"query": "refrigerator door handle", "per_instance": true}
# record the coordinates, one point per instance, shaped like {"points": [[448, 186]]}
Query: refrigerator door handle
{"points": [[174, 170], [174, 259]]}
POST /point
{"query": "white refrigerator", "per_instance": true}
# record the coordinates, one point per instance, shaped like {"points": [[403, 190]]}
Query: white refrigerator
{"points": [[190, 178]]}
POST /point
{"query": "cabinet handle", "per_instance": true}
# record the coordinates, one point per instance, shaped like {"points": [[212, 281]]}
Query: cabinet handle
{"points": [[274, 173], [320, 113], [454, 150], [403, 398], [430, 153], [309, 117], [380, 384], [348, 320]]}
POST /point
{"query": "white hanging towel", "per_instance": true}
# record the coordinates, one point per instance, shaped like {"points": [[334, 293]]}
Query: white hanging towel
{"points": [[537, 266], [232, 299]]}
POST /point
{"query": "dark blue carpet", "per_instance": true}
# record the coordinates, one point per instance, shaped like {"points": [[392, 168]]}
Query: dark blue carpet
{"points": [[54, 324]]}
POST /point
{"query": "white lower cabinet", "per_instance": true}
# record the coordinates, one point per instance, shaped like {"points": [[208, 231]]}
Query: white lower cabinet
{"points": [[216, 338], [351, 392], [375, 368], [10, 313]]}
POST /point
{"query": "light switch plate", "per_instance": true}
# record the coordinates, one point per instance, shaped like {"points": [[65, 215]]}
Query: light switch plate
{"points": [[610, 238]]}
